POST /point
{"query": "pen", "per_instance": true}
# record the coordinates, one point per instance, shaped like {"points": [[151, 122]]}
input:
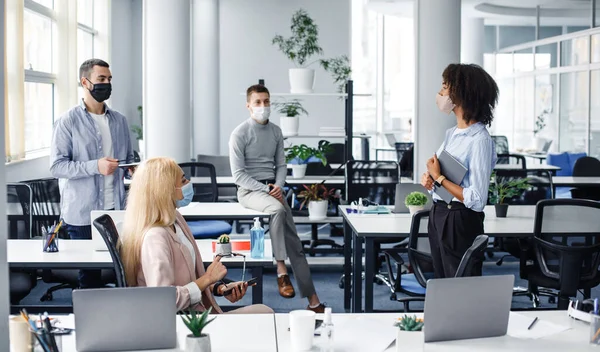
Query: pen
{"points": [[532, 323]]}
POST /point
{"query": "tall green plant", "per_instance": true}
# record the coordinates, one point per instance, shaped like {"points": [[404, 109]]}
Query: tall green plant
{"points": [[291, 108], [502, 188], [196, 322], [339, 68], [304, 41]]}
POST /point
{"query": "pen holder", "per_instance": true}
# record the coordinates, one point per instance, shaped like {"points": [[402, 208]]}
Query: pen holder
{"points": [[43, 342], [595, 329], [50, 242]]}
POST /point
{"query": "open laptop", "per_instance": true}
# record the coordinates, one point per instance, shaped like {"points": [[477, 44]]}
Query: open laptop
{"points": [[545, 148], [402, 190], [124, 319], [391, 139], [467, 307], [118, 217]]}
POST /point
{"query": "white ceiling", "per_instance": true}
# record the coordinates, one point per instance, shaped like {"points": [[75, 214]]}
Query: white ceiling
{"points": [[507, 12]]}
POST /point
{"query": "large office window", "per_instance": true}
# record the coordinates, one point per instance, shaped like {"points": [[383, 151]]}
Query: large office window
{"points": [[46, 42]]}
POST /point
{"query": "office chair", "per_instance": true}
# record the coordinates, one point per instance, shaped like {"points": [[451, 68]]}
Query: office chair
{"points": [[205, 192], [567, 248], [18, 212], [222, 168], [375, 181], [110, 235], [586, 166], [405, 153], [501, 143], [414, 285]]}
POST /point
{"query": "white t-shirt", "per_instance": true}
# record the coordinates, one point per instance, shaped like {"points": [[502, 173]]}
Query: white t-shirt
{"points": [[107, 151], [195, 293]]}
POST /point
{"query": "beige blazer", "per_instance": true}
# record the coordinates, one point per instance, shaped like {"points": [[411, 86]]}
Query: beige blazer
{"points": [[165, 261]]}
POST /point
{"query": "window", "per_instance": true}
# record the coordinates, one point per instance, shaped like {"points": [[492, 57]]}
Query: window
{"points": [[85, 35], [39, 104], [38, 41]]}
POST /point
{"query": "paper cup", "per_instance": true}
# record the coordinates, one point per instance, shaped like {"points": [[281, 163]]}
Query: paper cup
{"points": [[19, 335], [302, 329]]}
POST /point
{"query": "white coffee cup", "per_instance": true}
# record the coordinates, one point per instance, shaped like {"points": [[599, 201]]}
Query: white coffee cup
{"points": [[302, 329], [19, 335]]}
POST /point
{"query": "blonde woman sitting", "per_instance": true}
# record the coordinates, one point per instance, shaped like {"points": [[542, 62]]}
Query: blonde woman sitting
{"points": [[158, 248]]}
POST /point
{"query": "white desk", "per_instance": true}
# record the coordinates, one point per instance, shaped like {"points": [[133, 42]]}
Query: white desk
{"points": [[535, 167], [82, 254], [575, 339], [570, 181], [219, 211], [228, 181], [367, 227], [228, 332]]}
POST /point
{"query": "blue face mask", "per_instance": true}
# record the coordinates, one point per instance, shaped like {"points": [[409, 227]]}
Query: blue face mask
{"points": [[188, 195]]}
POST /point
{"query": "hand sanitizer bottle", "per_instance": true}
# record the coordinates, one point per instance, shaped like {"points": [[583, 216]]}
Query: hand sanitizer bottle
{"points": [[327, 332], [257, 240]]}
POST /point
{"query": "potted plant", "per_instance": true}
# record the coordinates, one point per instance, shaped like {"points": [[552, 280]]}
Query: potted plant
{"points": [[415, 201], [196, 322], [408, 337], [540, 124], [317, 196], [303, 43], [502, 189], [138, 131], [223, 246], [289, 121], [340, 70], [300, 155]]}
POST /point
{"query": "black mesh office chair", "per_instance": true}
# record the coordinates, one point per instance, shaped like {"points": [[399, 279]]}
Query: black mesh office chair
{"points": [[567, 248], [501, 143], [586, 166], [205, 190], [414, 284], [109, 233], [18, 212]]}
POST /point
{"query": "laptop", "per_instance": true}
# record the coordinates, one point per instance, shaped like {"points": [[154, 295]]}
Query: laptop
{"points": [[118, 217], [545, 148], [467, 307], [124, 319], [391, 139], [402, 190]]}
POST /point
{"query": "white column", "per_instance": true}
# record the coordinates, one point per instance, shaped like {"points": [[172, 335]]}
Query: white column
{"points": [[437, 44], [205, 73], [4, 301], [166, 78], [472, 41]]}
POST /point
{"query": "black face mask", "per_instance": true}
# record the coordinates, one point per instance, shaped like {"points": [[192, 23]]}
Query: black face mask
{"points": [[100, 91]]}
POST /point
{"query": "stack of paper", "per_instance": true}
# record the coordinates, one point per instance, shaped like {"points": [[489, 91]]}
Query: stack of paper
{"points": [[332, 131], [518, 325], [351, 336]]}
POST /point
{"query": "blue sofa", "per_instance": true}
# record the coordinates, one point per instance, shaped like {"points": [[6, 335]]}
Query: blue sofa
{"points": [[566, 162]]}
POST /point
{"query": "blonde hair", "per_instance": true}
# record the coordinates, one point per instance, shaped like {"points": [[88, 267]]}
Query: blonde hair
{"points": [[150, 203]]}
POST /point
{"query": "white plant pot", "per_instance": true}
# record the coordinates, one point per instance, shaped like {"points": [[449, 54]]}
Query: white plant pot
{"points": [[302, 80], [317, 209], [415, 208], [289, 125], [223, 248], [197, 344], [298, 170], [409, 341]]}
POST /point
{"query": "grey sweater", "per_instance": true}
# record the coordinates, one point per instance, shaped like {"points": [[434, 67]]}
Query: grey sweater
{"points": [[256, 154]]}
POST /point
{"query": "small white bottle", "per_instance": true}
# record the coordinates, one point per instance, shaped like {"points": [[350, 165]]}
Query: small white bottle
{"points": [[360, 206], [327, 332]]}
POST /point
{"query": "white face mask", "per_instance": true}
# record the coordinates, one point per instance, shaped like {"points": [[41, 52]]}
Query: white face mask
{"points": [[444, 103], [261, 114]]}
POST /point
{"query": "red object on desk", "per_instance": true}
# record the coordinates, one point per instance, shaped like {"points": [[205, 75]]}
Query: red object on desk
{"points": [[236, 246]]}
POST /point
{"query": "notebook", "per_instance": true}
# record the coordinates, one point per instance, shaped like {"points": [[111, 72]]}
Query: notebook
{"points": [[453, 170]]}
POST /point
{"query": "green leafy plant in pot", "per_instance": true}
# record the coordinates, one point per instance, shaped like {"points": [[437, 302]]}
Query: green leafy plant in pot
{"points": [[317, 196], [502, 188], [408, 337], [291, 111], [339, 69], [415, 201], [196, 322], [300, 155], [223, 245]]}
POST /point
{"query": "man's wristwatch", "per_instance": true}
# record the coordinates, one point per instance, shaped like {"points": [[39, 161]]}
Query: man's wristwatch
{"points": [[439, 181]]}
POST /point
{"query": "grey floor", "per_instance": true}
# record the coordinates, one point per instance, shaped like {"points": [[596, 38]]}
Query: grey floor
{"points": [[326, 277]]}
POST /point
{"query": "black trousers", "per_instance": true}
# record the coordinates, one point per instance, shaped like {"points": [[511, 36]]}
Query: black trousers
{"points": [[452, 229]]}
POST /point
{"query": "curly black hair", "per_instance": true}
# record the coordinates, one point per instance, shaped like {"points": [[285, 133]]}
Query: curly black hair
{"points": [[474, 90]]}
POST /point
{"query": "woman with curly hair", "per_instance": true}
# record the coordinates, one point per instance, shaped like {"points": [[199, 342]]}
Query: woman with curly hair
{"points": [[471, 94]]}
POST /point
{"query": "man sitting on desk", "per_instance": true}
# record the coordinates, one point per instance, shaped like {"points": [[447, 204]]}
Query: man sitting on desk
{"points": [[259, 169]]}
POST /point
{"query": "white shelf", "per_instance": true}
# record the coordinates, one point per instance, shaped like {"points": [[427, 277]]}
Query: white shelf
{"points": [[343, 95], [324, 136]]}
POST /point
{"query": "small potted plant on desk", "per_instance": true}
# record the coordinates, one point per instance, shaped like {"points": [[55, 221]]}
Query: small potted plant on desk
{"points": [[223, 246], [196, 322], [300, 155], [317, 196], [409, 337], [290, 122], [502, 189], [415, 201]]}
